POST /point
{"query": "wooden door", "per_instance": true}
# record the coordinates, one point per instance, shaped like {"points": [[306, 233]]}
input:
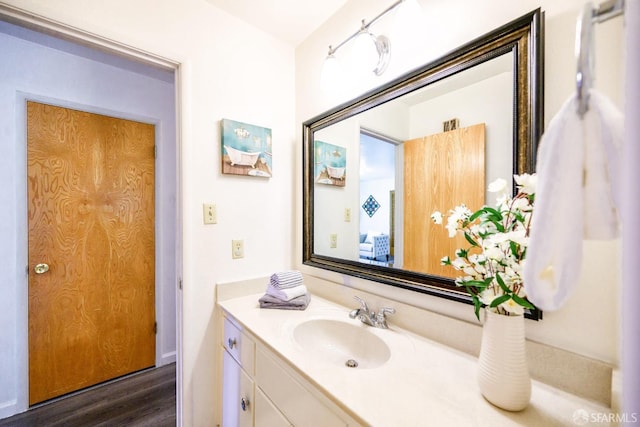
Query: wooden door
{"points": [[441, 171], [91, 221]]}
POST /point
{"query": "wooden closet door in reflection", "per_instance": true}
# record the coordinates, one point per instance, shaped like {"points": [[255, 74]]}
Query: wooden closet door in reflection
{"points": [[441, 171], [91, 221]]}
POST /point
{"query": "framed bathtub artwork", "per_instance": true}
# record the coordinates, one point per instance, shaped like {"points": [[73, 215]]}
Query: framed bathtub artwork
{"points": [[330, 164], [246, 149]]}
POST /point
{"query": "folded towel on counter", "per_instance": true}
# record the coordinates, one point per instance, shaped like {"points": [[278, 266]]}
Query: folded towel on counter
{"points": [[286, 294], [286, 279], [299, 303], [577, 166]]}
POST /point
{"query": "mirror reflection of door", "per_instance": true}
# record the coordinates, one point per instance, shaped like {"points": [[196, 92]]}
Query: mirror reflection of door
{"points": [[442, 171], [91, 211], [377, 182]]}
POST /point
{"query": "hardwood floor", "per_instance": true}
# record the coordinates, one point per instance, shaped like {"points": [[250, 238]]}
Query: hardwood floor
{"points": [[147, 398]]}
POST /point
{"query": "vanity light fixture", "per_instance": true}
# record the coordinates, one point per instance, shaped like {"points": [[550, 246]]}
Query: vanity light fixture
{"points": [[373, 52]]}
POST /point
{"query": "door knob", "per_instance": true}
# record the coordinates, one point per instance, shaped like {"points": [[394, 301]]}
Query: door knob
{"points": [[41, 268], [244, 403]]}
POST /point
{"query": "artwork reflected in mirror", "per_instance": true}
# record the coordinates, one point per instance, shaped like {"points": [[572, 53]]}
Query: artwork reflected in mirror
{"points": [[330, 164], [427, 141]]}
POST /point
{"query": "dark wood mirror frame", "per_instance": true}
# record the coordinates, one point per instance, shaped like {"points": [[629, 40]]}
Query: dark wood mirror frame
{"points": [[524, 38]]}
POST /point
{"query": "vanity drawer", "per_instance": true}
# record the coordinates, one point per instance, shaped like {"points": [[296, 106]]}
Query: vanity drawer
{"points": [[239, 346], [295, 401]]}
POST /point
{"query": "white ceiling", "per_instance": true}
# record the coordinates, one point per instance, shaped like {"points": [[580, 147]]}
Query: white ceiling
{"points": [[288, 20]]}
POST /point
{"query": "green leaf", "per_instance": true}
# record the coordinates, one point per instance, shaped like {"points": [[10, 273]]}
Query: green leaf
{"points": [[494, 213], [470, 239], [514, 248], [519, 217], [523, 302], [477, 284], [477, 305], [503, 285], [496, 302], [476, 214]]}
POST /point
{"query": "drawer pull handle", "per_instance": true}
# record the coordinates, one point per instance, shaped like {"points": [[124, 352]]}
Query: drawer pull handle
{"points": [[244, 403], [232, 342]]}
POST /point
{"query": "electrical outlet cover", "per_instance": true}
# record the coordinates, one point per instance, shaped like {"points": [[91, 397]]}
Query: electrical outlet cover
{"points": [[237, 249]]}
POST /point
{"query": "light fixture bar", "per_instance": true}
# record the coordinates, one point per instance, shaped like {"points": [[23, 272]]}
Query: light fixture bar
{"points": [[365, 26]]}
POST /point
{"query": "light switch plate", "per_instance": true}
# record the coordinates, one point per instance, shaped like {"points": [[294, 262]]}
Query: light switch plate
{"points": [[210, 213], [347, 215]]}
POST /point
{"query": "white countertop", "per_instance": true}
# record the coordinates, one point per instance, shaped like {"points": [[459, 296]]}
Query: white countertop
{"points": [[422, 384]]}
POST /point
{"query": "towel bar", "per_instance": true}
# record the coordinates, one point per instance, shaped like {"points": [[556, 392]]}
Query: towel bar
{"points": [[584, 46]]}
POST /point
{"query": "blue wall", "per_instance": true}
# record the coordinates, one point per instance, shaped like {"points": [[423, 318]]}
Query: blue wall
{"points": [[39, 67]]}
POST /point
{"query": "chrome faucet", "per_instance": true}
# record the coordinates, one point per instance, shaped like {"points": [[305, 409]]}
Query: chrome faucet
{"points": [[369, 317]]}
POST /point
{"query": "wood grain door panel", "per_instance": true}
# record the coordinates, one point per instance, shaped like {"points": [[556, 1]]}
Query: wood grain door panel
{"points": [[441, 171], [91, 219]]}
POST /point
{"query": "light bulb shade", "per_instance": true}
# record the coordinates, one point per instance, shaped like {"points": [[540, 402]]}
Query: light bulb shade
{"points": [[365, 54], [331, 74]]}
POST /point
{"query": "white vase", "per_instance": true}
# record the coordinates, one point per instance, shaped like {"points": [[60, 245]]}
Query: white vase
{"points": [[503, 375]]}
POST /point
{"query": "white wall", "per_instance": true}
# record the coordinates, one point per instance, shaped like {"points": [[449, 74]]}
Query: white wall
{"points": [[41, 68], [483, 102], [448, 24], [331, 201], [228, 70]]}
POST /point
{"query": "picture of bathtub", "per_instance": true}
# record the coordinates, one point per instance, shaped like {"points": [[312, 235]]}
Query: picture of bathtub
{"points": [[242, 158], [245, 149], [337, 173]]}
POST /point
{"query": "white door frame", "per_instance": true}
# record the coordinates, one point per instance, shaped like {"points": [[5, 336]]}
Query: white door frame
{"points": [[29, 20]]}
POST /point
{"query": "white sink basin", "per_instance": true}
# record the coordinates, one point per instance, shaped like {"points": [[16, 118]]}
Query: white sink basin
{"points": [[341, 343]]}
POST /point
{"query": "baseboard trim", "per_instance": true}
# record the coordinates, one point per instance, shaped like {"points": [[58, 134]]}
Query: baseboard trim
{"points": [[8, 408], [168, 358]]}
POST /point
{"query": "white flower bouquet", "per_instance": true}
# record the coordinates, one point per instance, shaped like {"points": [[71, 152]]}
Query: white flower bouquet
{"points": [[498, 239]]}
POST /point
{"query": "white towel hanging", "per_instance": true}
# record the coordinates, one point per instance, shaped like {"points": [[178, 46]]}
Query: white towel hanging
{"points": [[575, 197]]}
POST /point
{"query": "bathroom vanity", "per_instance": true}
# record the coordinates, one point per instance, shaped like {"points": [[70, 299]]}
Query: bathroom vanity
{"points": [[284, 368], [261, 389]]}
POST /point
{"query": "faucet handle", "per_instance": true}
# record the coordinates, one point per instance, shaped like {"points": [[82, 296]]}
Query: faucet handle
{"points": [[363, 303], [381, 317], [386, 310]]}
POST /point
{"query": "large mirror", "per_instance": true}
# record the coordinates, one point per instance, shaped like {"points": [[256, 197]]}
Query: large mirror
{"points": [[376, 167]]}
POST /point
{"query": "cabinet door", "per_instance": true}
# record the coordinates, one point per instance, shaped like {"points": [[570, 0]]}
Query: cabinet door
{"points": [[266, 414], [295, 401], [237, 394]]}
